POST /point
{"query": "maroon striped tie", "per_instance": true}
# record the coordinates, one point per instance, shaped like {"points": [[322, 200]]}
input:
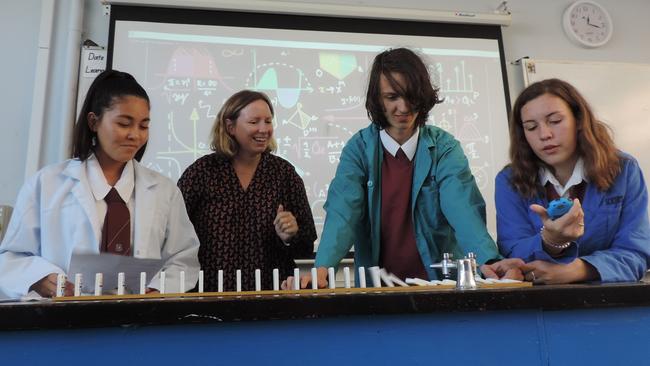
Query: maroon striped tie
{"points": [[116, 234]]}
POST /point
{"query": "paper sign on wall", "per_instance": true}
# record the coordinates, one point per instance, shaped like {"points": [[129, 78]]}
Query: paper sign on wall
{"points": [[93, 62]]}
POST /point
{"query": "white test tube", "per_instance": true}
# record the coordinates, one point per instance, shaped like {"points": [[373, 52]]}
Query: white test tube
{"points": [[258, 280], [60, 285], [296, 278], [162, 281], [143, 283], [201, 281], [346, 277], [362, 277], [120, 283], [314, 278], [276, 279], [331, 278], [181, 284], [77, 284], [220, 280], [375, 276], [99, 283], [238, 280]]}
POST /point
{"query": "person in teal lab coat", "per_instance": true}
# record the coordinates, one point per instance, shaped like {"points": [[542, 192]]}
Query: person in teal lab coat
{"points": [[403, 193]]}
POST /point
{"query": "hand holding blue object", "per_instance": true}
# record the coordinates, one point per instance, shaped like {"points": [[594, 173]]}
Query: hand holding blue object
{"points": [[558, 207]]}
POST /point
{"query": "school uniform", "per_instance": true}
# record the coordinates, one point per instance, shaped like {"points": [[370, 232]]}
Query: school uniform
{"points": [[447, 210], [616, 239], [57, 214]]}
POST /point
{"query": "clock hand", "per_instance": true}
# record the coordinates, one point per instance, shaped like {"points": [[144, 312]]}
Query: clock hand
{"points": [[591, 24]]}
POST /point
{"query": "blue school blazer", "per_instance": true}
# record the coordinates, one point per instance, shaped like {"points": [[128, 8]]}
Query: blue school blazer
{"points": [[616, 240]]}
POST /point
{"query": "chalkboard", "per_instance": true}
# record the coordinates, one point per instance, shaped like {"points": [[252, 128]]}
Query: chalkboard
{"points": [[619, 94]]}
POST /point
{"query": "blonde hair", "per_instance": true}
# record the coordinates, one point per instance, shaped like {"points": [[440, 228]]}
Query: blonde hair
{"points": [[224, 144]]}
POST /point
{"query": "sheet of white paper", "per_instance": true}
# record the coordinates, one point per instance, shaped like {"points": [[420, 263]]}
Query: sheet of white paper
{"points": [[110, 265], [31, 296]]}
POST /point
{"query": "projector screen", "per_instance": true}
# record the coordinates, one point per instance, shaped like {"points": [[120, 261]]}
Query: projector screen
{"points": [[316, 77]]}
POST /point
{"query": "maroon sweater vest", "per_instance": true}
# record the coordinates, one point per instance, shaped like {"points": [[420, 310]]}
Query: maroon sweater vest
{"points": [[399, 254], [577, 191]]}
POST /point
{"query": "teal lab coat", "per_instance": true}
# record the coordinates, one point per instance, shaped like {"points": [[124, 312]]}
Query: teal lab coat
{"points": [[447, 208]]}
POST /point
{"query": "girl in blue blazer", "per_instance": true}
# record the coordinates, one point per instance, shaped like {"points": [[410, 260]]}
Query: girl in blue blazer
{"points": [[62, 209], [559, 149]]}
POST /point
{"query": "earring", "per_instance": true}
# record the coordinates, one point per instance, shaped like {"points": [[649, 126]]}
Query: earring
{"points": [[94, 141]]}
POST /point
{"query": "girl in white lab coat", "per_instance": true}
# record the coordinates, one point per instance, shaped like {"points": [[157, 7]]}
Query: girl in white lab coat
{"points": [[61, 210]]}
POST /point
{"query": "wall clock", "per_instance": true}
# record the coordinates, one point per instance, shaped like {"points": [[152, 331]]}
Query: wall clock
{"points": [[588, 24]]}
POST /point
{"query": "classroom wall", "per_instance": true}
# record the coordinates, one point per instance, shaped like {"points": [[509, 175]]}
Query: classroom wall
{"points": [[19, 24], [536, 31]]}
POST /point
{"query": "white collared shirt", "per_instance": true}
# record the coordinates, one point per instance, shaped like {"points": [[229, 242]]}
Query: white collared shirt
{"points": [[576, 178], [125, 187], [409, 147]]}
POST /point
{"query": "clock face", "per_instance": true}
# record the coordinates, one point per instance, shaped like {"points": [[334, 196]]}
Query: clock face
{"points": [[588, 23]]}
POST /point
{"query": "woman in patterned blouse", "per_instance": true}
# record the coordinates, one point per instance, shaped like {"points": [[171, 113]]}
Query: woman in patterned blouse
{"points": [[249, 208]]}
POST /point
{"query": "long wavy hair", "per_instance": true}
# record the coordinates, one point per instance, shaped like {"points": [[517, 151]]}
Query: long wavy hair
{"points": [[594, 141]]}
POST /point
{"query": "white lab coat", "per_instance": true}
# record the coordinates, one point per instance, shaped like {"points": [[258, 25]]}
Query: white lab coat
{"points": [[55, 215]]}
